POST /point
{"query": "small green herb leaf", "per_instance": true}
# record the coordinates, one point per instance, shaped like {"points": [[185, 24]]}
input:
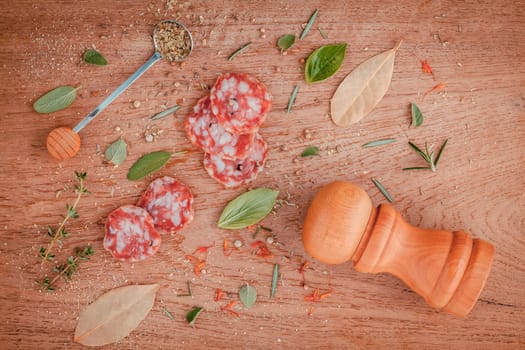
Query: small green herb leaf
{"points": [[191, 316], [378, 143], [286, 41], [417, 116], [323, 35], [247, 209], [292, 98], [310, 151], [248, 295], [324, 62], [275, 278], [440, 152], [165, 113], [56, 99], [147, 164], [116, 152], [92, 56], [383, 190], [309, 24]]}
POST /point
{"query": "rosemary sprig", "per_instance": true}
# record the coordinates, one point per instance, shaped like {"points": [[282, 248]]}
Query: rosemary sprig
{"points": [[292, 98], [239, 51], [383, 190], [71, 213], [309, 24], [68, 269], [428, 156]]}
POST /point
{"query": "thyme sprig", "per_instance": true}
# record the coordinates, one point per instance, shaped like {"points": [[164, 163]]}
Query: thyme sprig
{"points": [[67, 269], [71, 213], [428, 156]]}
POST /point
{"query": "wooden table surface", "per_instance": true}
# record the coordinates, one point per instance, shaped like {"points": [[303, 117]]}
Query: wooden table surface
{"points": [[475, 48]]}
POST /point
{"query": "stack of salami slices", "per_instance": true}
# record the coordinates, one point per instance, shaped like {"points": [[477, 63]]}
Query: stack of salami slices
{"points": [[133, 231], [225, 124]]}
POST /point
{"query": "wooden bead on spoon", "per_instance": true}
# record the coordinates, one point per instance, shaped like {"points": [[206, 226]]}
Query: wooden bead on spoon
{"points": [[448, 269], [63, 143]]}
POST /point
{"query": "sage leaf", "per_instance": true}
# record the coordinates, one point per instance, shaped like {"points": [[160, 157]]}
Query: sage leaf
{"points": [[286, 41], [324, 62], [275, 277], [115, 314], [247, 209], [92, 56], [165, 113], [310, 151], [417, 116], [191, 316], [116, 152], [363, 88], [248, 295], [147, 164], [56, 99], [309, 25]]}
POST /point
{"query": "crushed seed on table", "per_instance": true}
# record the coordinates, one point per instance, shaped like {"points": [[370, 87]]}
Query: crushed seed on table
{"points": [[173, 41]]}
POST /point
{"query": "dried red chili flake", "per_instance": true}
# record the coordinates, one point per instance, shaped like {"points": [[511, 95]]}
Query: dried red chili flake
{"points": [[228, 308], [303, 267], [311, 311], [202, 250], [435, 88], [219, 294], [315, 296], [261, 249], [225, 250], [192, 259], [198, 267], [426, 67]]}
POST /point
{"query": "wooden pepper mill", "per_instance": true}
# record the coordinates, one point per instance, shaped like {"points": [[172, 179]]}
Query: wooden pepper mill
{"points": [[448, 269]]}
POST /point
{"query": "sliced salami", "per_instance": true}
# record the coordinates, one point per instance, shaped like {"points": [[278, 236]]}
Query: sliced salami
{"points": [[130, 234], [205, 131], [169, 202], [240, 102], [234, 173]]}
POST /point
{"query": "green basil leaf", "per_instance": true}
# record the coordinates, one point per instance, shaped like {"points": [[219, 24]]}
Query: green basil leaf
{"points": [[56, 99], [247, 209], [191, 316], [92, 56], [286, 41], [324, 62], [310, 151], [165, 113], [248, 295], [417, 116], [147, 164], [116, 152]]}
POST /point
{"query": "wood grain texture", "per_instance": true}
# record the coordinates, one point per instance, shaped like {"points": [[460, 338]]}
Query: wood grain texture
{"points": [[475, 48]]}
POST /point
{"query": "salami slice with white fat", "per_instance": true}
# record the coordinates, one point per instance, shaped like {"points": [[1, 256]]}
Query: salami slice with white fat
{"points": [[131, 234], [240, 102], [205, 132], [234, 173], [169, 202]]}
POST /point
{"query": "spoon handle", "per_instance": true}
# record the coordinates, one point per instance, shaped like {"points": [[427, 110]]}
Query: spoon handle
{"points": [[156, 56]]}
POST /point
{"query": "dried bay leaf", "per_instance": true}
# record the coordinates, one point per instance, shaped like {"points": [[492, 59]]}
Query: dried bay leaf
{"points": [[56, 99], [115, 314], [362, 89]]}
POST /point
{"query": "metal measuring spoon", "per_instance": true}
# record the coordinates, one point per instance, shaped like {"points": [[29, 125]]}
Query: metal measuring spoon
{"points": [[64, 143]]}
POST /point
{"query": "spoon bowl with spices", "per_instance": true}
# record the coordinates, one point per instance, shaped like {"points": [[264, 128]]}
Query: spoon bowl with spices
{"points": [[173, 42]]}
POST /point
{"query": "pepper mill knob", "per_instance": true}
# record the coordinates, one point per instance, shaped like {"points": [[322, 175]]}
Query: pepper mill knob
{"points": [[448, 269]]}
